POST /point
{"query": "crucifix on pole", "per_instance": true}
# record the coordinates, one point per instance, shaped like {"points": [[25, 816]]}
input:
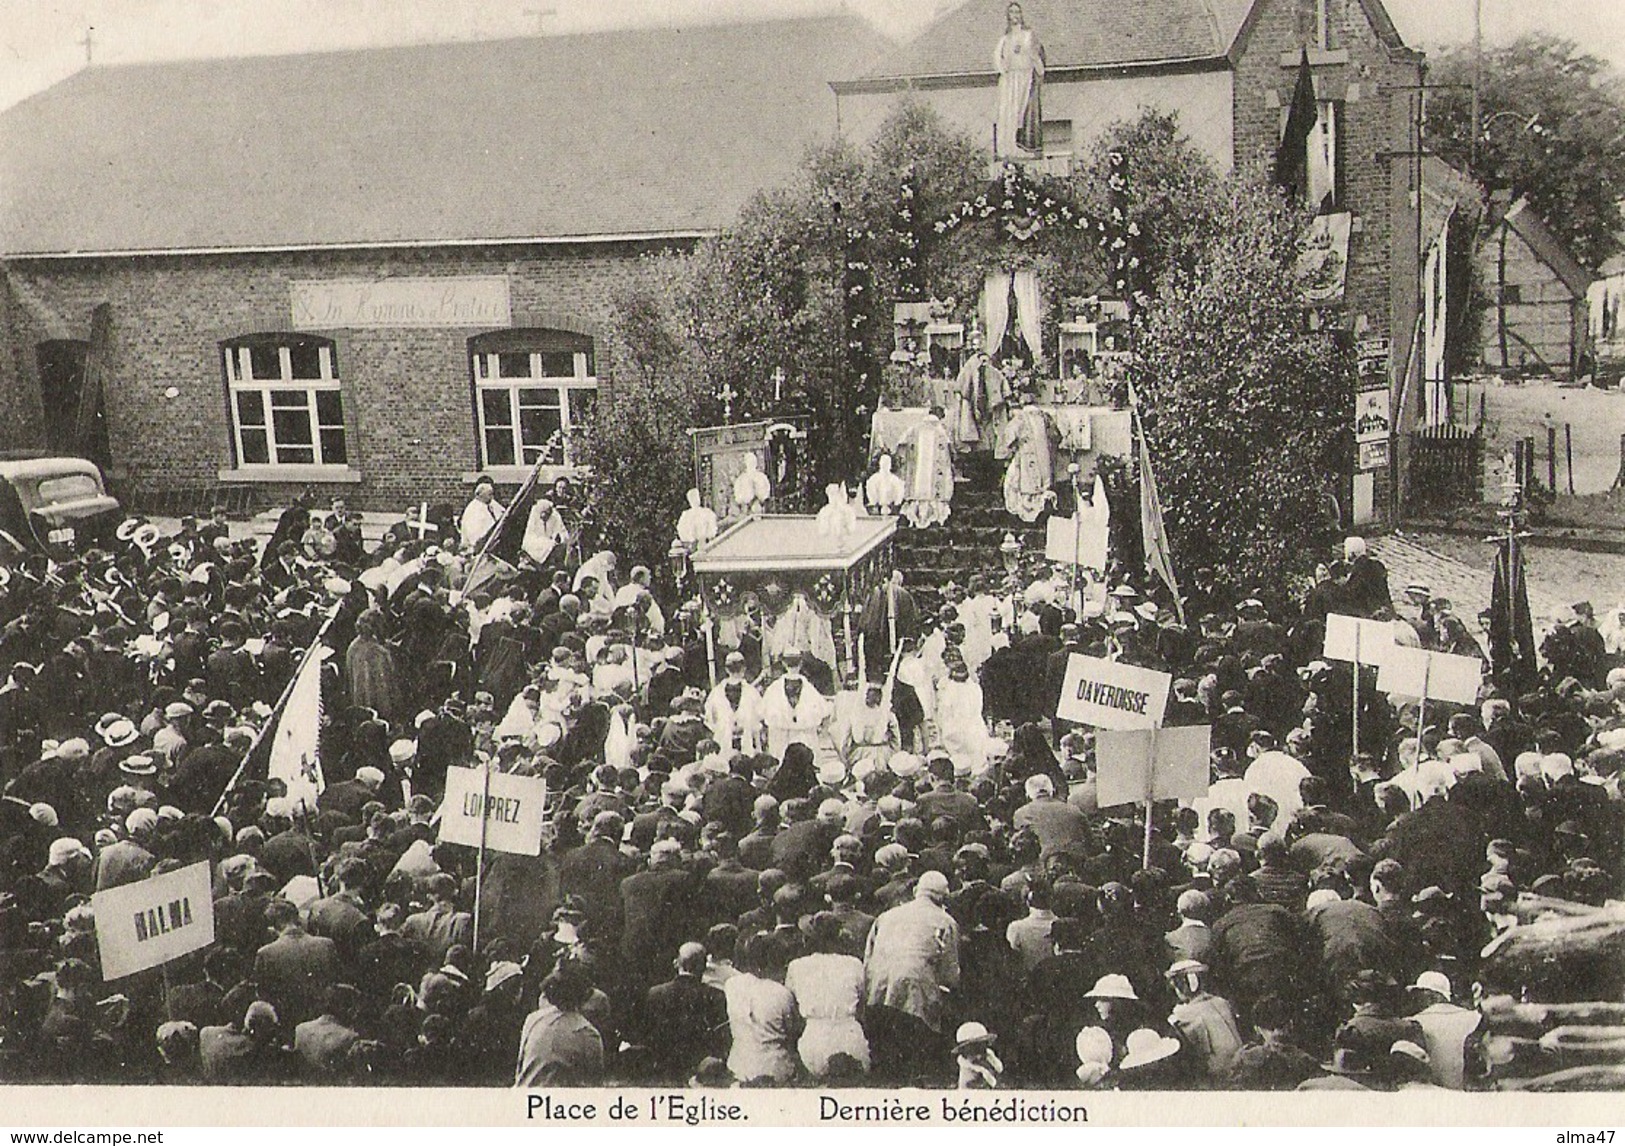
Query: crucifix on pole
{"points": [[727, 393], [87, 42]]}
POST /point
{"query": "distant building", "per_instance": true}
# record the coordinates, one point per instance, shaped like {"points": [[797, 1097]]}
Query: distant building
{"points": [[385, 272], [1538, 318], [1605, 302]]}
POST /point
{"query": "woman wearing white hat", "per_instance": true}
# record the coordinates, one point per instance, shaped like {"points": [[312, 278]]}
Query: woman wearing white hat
{"points": [[1150, 1061]]}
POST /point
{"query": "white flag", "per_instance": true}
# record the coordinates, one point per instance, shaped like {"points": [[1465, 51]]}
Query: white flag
{"points": [[295, 758]]}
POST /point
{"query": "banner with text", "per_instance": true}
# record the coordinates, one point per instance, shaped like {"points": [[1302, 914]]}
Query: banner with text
{"points": [[1111, 695], [148, 923], [1355, 639], [515, 810], [1128, 773], [1437, 676], [365, 304]]}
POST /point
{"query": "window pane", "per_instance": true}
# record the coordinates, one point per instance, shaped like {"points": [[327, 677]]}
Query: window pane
{"points": [[292, 428], [306, 359], [290, 400], [333, 447], [534, 397], [482, 366], [256, 451], [538, 425], [499, 448], [495, 406], [558, 364], [329, 408], [295, 455], [250, 408], [266, 362], [513, 365]]}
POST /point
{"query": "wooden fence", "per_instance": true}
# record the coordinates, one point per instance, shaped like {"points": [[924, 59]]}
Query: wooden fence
{"points": [[1446, 468]]}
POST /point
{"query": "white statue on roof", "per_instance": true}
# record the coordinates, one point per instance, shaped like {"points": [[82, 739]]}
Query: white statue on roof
{"points": [[697, 525], [884, 488]]}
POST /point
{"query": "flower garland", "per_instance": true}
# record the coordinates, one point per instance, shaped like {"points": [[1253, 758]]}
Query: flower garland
{"points": [[906, 233], [1023, 210]]}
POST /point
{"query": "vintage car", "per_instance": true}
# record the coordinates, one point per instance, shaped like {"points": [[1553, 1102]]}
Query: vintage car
{"points": [[55, 505]]}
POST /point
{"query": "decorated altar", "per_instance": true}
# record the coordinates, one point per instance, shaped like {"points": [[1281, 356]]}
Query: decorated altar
{"points": [[1011, 341], [801, 583]]}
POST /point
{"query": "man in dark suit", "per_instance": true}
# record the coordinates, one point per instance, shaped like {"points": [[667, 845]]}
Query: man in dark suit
{"points": [[230, 669], [658, 906], [728, 800], [756, 848], [347, 797], [684, 1020], [342, 917], [845, 855], [803, 843], [730, 886], [1193, 938], [646, 826], [842, 893], [772, 951], [389, 959], [593, 873], [295, 969]]}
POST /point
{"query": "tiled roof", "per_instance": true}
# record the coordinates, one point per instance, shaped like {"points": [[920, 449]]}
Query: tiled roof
{"points": [[657, 131], [1075, 34]]}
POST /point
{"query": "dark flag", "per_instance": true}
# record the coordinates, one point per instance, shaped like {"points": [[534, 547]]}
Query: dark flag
{"points": [[1292, 158], [1512, 632], [498, 556]]}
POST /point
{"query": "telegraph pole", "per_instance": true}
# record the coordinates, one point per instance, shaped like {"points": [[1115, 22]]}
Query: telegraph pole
{"points": [[1478, 79]]}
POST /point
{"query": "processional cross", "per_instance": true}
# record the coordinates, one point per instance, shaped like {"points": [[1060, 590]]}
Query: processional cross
{"points": [[727, 394]]}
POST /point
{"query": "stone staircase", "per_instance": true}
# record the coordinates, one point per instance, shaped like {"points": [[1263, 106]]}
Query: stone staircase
{"points": [[968, 542]]}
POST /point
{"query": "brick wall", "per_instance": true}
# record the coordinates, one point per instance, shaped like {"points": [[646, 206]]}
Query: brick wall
{"points": [[407, 395], [1361, 70]]}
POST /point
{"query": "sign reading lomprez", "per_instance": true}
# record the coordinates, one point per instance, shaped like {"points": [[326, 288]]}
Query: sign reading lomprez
{"points": [[358, 304]]}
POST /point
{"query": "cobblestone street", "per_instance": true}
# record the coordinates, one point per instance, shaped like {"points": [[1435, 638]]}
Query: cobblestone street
{"points": [[1459, 568]]}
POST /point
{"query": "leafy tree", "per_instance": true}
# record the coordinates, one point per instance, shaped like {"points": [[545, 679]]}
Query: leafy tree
{"points": [[636, 440], [1170, 193], [1552, 127], [1248, 411]]}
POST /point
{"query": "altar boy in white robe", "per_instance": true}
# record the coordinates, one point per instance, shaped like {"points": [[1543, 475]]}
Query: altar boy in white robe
{"points": [[733, 710], [793, 710], [961, 729]]}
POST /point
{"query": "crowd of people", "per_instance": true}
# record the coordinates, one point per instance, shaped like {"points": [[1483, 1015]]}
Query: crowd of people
{"points": [[761, 868]]}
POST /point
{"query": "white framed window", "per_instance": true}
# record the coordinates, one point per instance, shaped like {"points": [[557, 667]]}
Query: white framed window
{"points": [[285, 402], [532, 399]]}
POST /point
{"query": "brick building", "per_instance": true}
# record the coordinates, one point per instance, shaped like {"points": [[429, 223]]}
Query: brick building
{"points": [[381, 273], [1228, 69]]}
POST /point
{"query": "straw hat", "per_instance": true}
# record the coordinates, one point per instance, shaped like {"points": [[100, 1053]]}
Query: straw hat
{"points": [[973, 1036], [1145, 1047], [1112, 987]]}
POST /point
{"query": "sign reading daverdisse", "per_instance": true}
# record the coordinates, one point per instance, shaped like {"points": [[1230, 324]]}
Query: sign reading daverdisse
{"points": [[1111, 695]]}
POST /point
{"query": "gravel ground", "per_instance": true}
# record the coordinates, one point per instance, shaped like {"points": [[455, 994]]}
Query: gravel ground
{"points": [[1596, 417]]}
